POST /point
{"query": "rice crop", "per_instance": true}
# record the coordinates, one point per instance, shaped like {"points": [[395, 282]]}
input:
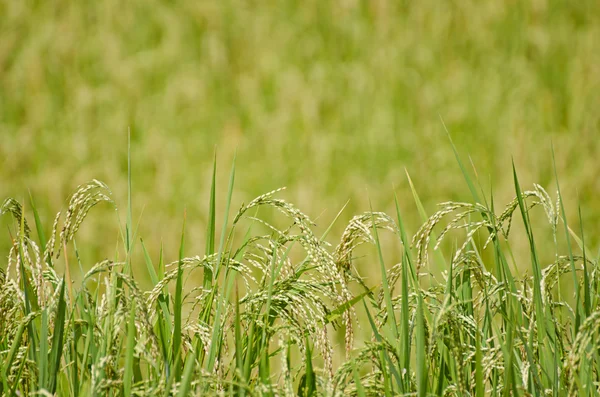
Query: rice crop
{"points": [[259, 312]]}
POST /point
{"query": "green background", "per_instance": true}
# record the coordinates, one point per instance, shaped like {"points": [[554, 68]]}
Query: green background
{"points": [[333, 99]]}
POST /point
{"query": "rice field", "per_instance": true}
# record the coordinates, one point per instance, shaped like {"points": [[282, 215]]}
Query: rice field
{"points": [[435, 236], [272, 306]]}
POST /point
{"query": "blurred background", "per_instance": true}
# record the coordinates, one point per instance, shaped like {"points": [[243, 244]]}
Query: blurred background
{"points": [[333, 99]]}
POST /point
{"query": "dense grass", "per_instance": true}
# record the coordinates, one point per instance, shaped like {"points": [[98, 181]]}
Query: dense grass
{"points": [[324, 97], [261, 314], [327, 98]]}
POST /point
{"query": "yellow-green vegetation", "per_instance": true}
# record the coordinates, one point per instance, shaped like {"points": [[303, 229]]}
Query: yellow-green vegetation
{"points": [[493, 292], [328, 98], [273, 306]]}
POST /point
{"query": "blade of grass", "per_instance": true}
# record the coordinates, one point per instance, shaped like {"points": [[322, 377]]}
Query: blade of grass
{"points": [[188, 371], [129, 351], [177, 307], [226, 220], [308, 383], [385, 284], [217, 321], [338, 311], [578, 241], [461, 165], [19, 375], [163, 298], [57, 339], [129, 222], [210, 232], [422, 370], [88, 312], [149, 265], [239, 359], [164, 326], [385, 363], [324, 235], [13, 350], [31, 298], [404, 327], [360, 390], [587, 300], [479, 385], [439, 258], [569, 247], [542, 321], [43, 354], [74, 359], [40, 229], [393, 325], [250, 352]]}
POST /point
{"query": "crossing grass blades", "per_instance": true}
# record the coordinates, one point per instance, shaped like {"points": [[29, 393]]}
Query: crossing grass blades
{"points": [[259, 315]]}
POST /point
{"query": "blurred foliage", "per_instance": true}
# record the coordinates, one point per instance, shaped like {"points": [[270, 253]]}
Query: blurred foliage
{"points": [[333, 99]]}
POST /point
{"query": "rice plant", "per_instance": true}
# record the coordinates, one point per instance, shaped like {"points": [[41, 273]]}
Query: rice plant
{"points": [[258, 312]]}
